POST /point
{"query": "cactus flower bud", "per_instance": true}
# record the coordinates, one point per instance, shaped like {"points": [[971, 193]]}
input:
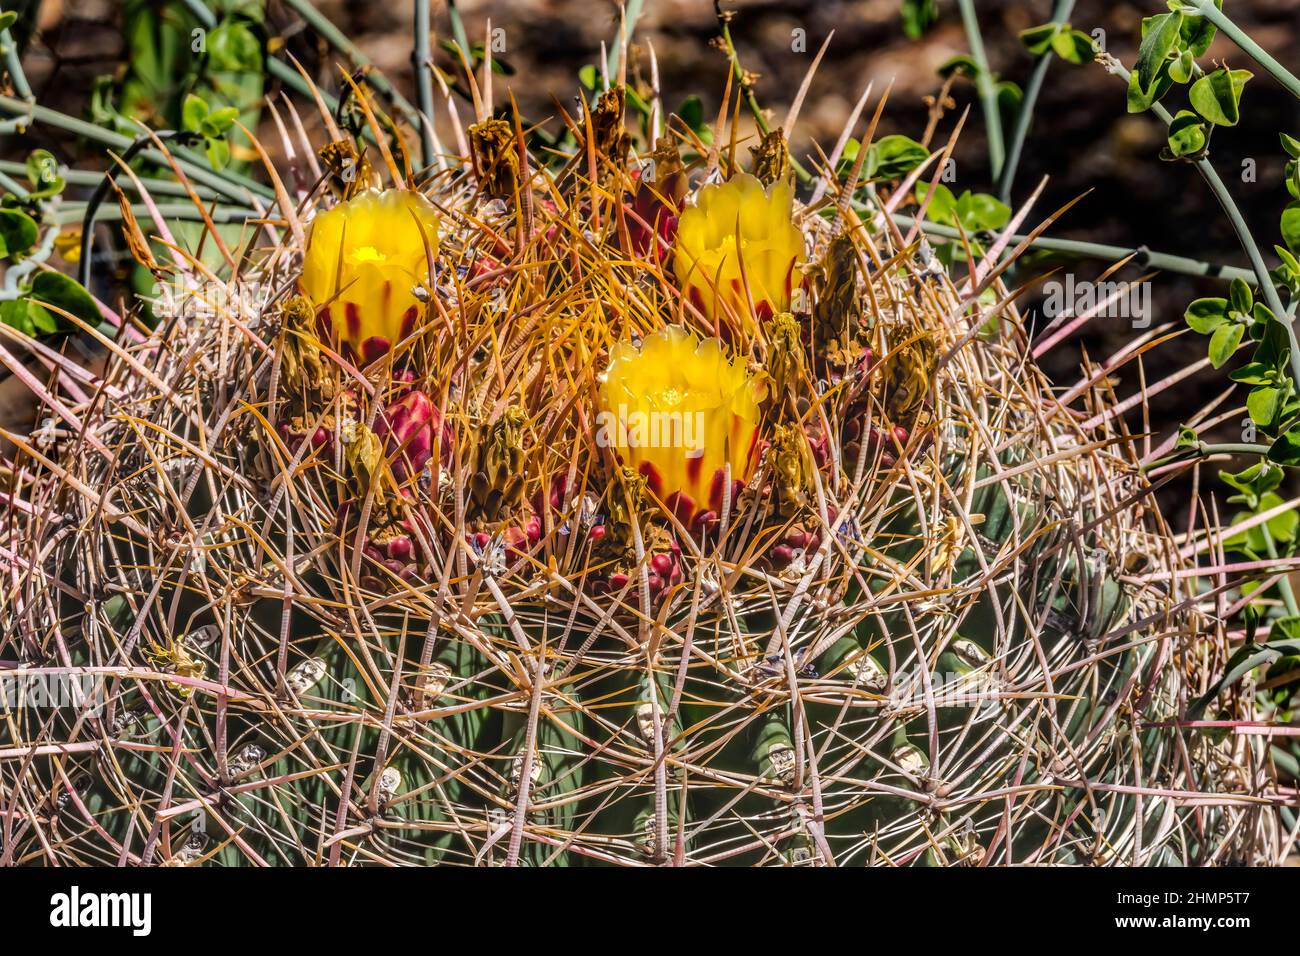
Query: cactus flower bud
{"points": [[408, 429], [366, 258], [739, 235]]}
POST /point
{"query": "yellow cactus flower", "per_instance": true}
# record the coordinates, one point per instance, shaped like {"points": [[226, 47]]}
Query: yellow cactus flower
{"points": [[734, 223], [679, 410], [365, 260]]}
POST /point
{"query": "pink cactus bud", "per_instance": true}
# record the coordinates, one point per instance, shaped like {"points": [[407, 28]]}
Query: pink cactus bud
{"points": [[408, 428]]}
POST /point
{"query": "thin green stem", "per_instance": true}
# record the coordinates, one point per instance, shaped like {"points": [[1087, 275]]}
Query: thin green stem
{"points": [[1248, 46], [233, 186], [631, 12], [984, 83], [458, 29], [14, 64], [421, 56], [1060, 14], [1095, 250], [86, 177], [75, 212]]}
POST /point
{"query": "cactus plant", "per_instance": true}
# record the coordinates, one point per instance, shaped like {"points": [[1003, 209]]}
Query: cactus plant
{"points": [[364, 579]]}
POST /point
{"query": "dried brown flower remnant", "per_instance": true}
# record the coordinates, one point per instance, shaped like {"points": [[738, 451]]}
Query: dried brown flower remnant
{"points": [[495, 158], [771, 157]]}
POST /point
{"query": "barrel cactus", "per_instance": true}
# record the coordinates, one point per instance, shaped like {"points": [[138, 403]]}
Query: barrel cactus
{"points": [[629, 508]]}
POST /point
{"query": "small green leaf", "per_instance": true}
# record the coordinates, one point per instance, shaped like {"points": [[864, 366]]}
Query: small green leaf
{"points": [[56, 289], [1074, 46], [219, 122], [962, 64], [1038, 40], [943, 204], [7, 19], [894, 156], [193, 112], [18, 233], [1291, 226], [1291, 145], [1263, 403], [1182, 67], [1206, 315], [918, 16], [980, 212], [1139, 98], [692, 113], [1187, 438], [218, 153], [1186, 134], [1240, 296], [1159, 35], [1198, 32], [1252, 373], [587, 75], [1217, 96], [1224, 342]]}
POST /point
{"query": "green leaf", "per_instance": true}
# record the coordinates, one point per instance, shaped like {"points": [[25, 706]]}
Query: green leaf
{"points": [[1140, 99], [587, 75], [42, 167], [692, 113], [1038, 40], [894, 156], [1252, 373], [7, 19], [1217, 96], [220, 121], [943, 204], [1186, 134], [1074, 46], [63, 292], [15, 314], [918, 16], [1198, 32], [18, 233], [218, 153], [1206, 315], [1159, 34], [962, 64], [1182, 66], [1291, 145], [1286, 450], [980, 212], [1283, 528], [1291, 226], [234, 48], [1187, 438], [1224, 342], [193, 112], [1240, 296], [1263, 403]]}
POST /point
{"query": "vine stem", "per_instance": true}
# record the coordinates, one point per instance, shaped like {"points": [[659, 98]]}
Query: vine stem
{"points": [[1163, 261], [1060, 14], [422, 55], [13, 63], [984, 83], [233, 186]]}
